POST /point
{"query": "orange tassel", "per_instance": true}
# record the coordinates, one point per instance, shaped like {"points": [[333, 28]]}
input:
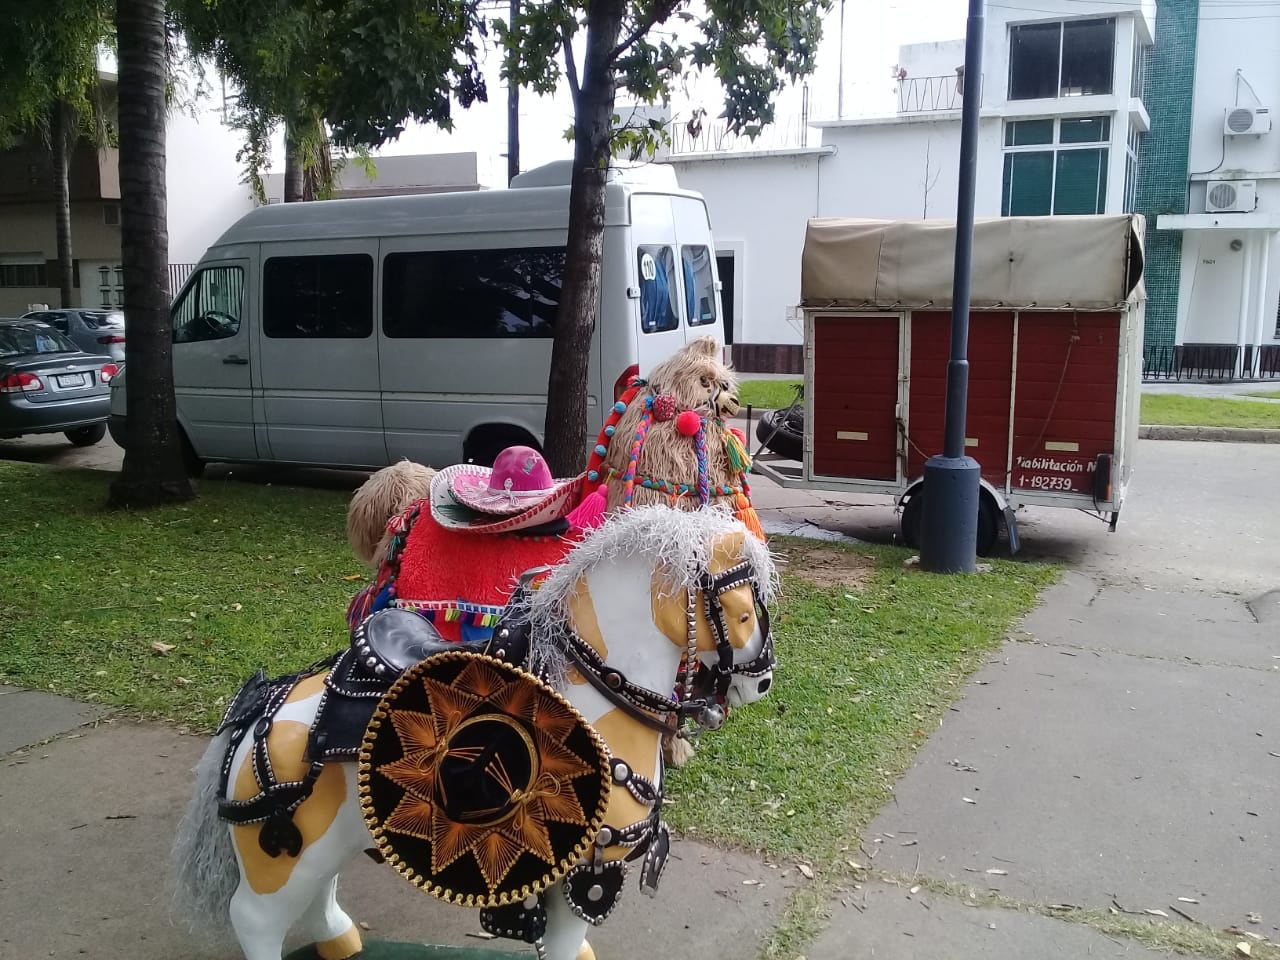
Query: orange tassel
{"points": [[745, 512]]}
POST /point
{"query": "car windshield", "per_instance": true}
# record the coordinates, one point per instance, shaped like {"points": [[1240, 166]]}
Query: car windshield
{"points": [[17, 341], [96, 320]]}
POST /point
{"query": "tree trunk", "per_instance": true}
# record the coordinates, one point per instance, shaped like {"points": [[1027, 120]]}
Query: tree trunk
{"points": [[153, 470], [565, 446], [293, 179], [64, 139]]}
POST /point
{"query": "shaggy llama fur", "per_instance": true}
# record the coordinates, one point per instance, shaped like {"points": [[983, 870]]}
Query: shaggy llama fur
{"points": [[700, 381], [386, 494]]}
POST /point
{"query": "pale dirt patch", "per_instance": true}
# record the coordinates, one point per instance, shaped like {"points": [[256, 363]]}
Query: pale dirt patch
{"points": [[828, 566]]}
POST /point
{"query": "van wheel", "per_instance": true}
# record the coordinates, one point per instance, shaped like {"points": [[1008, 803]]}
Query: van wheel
{"points": [[483, 446], [87, 436]]}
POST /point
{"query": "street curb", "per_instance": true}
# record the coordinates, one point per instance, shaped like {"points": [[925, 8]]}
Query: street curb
{"points": [[1217, 434]]}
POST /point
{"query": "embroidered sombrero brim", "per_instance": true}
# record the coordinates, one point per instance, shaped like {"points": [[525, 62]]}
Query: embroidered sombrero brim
{"points": [[472, 490], [479, 783], [450, 510]]}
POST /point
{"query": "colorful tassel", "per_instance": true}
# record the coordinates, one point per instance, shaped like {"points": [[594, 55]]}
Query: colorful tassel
{"points": [[590, 513], [745, 512], [739, 459]]}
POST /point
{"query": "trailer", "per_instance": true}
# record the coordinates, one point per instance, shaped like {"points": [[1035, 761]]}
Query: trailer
{"points": [[1055, 361]]}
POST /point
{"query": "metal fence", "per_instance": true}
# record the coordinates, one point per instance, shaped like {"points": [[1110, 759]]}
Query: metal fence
{"points": [[178, 273], [927, 94], [1209, 361]]}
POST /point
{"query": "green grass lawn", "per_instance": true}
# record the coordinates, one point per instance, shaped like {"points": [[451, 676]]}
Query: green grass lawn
{"points": [[870, 653], [1177, 410], [767, 394], [1272, 395]]}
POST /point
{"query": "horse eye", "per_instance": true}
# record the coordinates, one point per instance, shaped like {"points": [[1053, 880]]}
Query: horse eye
{"points": [[744, 618], [705, 382]]}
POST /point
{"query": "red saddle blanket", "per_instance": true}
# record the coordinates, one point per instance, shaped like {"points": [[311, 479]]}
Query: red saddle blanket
{"points": [[459, 581]]}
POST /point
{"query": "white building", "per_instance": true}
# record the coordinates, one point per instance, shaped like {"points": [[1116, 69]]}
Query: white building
{"points": [[1229, 278], [1061, 119]]}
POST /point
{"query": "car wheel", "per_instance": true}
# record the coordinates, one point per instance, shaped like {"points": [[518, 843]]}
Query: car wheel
{"points": [[87, 436]]}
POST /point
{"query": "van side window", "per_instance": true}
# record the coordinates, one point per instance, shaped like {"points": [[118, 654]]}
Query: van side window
{"points": [[211, 307], [464, 294], [699, 286], [321, 297], [659, 296]]}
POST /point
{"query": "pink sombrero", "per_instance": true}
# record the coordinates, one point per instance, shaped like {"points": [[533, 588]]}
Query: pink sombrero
{"points": [[518, 493]]}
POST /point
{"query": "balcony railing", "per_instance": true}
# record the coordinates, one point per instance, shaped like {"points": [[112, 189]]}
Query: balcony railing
{"points": [[929, 94]]}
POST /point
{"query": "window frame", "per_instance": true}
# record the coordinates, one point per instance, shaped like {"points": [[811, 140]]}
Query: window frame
{"points": [[369, 305], [1061, 29], [191, 289], [1054, 148], [542, 332]]}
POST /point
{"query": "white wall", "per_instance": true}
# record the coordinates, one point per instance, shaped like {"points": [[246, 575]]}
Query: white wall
{"points": [[205, 195], [938, 59], [1223, 47], [759, 207]]}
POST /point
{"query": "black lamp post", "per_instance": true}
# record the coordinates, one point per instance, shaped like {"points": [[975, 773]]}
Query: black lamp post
{"points": [[949, 527]]}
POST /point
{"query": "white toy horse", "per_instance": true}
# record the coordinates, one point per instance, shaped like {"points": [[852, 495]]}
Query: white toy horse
{"points": [[607, 629]]}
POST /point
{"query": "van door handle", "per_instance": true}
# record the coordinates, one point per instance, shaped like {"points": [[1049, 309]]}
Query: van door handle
{"points": [[239, 361]]}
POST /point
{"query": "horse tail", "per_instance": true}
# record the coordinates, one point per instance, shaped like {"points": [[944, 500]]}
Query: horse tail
{"points": [[204, 862]]}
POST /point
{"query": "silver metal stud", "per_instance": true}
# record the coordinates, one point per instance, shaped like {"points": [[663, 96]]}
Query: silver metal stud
{"points": [[595, 893], [371, 663], [605, 837]]}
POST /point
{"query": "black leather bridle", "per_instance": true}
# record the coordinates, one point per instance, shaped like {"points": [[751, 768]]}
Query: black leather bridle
{"points": [[702, 700]]}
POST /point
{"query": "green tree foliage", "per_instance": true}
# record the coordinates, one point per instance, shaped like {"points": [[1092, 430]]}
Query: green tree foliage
{"points": [[642, 48], [350, 72]]}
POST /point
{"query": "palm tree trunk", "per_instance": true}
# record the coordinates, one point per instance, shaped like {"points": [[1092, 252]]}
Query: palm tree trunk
{"points": [[64, 140], [293, 179], [153, 470], [565, 431]]}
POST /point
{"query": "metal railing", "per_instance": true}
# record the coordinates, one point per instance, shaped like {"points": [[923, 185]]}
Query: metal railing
{"points": [[789, 132], [1209, 361], [928, 94], [178, 273]]}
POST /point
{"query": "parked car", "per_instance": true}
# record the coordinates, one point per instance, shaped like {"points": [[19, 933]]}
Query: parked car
{"points": [[99, 332], [49, 385]]}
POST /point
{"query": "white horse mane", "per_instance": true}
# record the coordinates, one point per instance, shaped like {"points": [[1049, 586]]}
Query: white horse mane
{"points": [[680, 541]]}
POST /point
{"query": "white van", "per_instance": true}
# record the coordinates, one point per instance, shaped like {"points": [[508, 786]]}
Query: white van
{"points": [[354, 333]]}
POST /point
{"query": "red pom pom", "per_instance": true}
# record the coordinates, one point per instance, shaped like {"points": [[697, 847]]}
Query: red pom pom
{"points": [[664, 407], [688, 423]]}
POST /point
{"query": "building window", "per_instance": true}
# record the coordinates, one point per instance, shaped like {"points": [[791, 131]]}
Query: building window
{"points": [[1055, 166], [486, 294], [1133, 153], [1141, 55], [23, 273], [318, 298], [659, 296], [1066, 59], [699, 286]]}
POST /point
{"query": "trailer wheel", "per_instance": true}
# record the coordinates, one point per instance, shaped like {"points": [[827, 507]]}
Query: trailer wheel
{"points": [[988, 522], [912, 516]]}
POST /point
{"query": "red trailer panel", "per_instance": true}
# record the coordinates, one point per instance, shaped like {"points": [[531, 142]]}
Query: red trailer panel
{"points": [[855, 365], [990, 379], [1065, 404]]}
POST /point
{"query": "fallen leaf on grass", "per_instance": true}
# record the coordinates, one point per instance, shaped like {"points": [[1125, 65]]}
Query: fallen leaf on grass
{"points": [[354, 576], [162, 648], [805, 869], [855, 865]]}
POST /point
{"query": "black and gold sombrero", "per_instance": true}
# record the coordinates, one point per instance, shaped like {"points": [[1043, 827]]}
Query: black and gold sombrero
{"points": [[479, 783]]}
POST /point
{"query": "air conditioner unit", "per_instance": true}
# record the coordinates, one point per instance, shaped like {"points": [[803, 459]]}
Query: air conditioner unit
{"points": [[1230, 196], [1242, 121]]}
